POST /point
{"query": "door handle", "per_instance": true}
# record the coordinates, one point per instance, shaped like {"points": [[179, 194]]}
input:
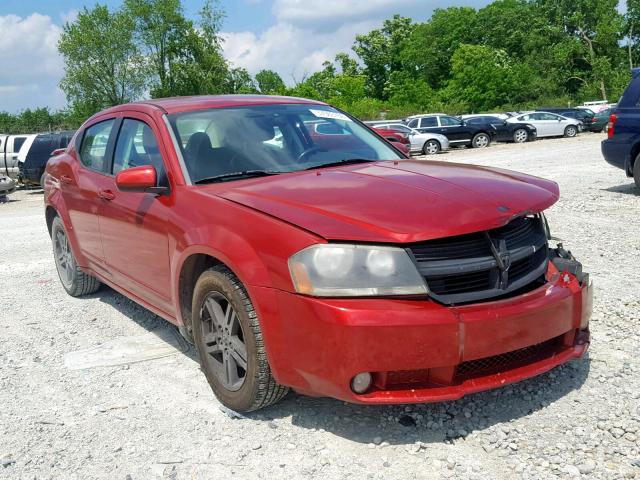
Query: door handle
{"points": [[106, 194], [66, 179]]}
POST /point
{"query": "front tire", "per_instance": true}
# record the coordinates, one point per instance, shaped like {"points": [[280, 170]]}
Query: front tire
{"points": [[229, 341], [481, 140], [636, 171], [431, 147], [570, 131], [520, 136], [75, 282]]}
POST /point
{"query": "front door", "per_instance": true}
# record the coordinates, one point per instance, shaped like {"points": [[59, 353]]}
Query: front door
{"points": [[133, 225], [454, 130]]}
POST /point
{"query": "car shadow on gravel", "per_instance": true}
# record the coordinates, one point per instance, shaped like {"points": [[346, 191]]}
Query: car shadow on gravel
{"points": [[145, 318], [629, 189], [435, 422]]}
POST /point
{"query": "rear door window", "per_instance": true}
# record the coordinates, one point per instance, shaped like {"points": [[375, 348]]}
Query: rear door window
{"points": [[428, 122], [93, 151]]}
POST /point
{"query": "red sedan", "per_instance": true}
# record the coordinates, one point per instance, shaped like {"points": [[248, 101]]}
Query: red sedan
{"points": [[314, 257]]}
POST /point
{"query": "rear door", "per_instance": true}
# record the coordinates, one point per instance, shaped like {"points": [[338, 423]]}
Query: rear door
{"points": [[81, 189], [133, 225]]}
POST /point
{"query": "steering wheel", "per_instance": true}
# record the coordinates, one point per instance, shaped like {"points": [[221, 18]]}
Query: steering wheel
{"points": [[304, 155]]}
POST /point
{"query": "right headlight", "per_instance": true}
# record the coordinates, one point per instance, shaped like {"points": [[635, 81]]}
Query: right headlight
{"points": [[343, 270]]}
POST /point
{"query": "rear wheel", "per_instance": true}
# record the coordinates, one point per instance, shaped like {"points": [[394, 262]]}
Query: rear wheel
{"points": [[520, 135], [228, 337], [431, 147], [636, 171], [570, 131], [73, 279], [480, 140]]}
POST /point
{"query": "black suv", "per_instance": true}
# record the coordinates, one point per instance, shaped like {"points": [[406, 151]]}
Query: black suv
{"points": [[585, 115], [622, 146], [505, 131], [31, 171], [457, 131]]}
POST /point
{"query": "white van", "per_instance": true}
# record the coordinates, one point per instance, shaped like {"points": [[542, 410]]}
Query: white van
{"points": [[12, 147]]}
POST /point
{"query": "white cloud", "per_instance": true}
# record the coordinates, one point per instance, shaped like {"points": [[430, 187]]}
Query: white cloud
{"points": [[335, 13], [289, 50], [30, 61]]}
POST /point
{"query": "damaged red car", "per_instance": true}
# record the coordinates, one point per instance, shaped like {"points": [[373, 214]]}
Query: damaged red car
{"points": [[299, 250]]}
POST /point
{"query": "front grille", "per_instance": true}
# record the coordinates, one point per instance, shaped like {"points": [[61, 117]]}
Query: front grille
{"points": [[484, 265], [507, 361]]}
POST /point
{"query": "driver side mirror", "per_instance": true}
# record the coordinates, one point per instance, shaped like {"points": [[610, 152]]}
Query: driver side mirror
{"points": [[143, 179]]}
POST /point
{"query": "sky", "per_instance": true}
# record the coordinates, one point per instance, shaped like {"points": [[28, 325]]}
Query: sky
{"points": [[292, 37]]}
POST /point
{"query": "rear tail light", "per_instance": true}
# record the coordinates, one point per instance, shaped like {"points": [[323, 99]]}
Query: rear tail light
{"points": [[613, 118]]}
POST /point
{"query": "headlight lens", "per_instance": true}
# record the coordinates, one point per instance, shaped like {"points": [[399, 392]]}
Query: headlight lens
{"points": [[337, 270]]}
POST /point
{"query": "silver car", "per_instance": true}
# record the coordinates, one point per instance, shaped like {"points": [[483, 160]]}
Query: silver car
{"points": [[549, 124], [424, 143]]}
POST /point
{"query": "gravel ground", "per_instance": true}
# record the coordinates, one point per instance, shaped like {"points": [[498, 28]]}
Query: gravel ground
{"points": [[159, 419]]}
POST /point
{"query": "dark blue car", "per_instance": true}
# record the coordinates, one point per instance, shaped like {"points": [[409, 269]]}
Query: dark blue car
{"points": [[622, 147]]}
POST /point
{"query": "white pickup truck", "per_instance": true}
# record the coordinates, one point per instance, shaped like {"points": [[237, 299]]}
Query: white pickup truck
{"points": [[11, 148]]}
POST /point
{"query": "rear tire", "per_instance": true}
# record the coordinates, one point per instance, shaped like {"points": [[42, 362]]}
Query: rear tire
{"points": [[636, 171], [481, 140], [228, 338], [75, 282], [570, 131], [431, 147]]}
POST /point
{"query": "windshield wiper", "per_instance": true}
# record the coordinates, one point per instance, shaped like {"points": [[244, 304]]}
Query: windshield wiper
{"points": [[345, 161], [225, 177]]}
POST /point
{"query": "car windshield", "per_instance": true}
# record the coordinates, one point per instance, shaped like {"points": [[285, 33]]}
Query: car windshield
{"points": [[234, 143]]}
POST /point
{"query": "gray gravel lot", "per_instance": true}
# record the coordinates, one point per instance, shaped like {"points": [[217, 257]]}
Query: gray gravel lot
{"points": [[159, 419]]}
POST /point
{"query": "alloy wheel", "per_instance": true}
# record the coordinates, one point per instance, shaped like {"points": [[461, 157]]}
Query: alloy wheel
{"points": [[520, 136], [65, 262], [431, 147], [481, 141], [223, 338]]}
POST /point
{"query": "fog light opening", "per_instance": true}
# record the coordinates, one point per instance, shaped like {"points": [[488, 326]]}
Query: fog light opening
{"points": [[361, 382]]}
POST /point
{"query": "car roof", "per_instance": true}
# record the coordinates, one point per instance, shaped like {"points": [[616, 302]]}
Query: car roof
{"points": [[201, 102]]}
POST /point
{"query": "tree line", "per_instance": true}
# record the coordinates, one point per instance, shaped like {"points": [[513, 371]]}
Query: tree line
{"points": [[509, 55]]}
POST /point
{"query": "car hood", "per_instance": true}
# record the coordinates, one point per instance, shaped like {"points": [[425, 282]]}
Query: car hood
{"points": [[394, 202]]}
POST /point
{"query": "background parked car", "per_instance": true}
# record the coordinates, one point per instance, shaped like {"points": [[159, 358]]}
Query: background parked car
{"points": [[425, 143], [505, 131], [7, 186], [10, 148], [35, 160], [601, 120], [622, 146], [549, 124], [456, 130], [585, 115]]}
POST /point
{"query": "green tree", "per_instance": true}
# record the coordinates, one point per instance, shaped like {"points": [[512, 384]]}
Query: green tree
{"points": [[594, 31], [427, 53], [380, 51], [270, 83], [103, 65], [239, 81], [484, 78]]}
